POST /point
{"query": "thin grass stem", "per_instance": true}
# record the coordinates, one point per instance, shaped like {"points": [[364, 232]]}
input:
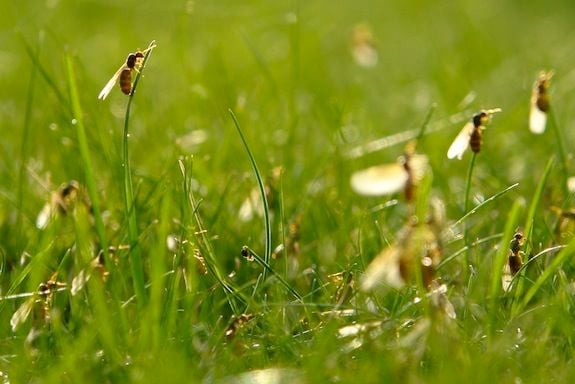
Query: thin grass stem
{"points": [[25, 144], [499, 261], [426, 121], [528, 229], [466, 204], [133, 235], [267, 267], [560, 149], [230, 291], [86, 159], [261, 186]]}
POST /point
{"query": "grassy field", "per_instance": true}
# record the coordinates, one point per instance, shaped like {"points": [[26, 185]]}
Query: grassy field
{"points": [[122, 233]]}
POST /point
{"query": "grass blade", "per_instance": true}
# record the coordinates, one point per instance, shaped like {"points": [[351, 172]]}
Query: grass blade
{"points": [[133, 234], [500, 259], [262, 262], [261, 186], [528, 228], [86, 159]]}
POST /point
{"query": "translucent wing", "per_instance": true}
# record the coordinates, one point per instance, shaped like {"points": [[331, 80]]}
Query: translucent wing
{"points": [[461, 142], [22, 313], [79, 281], [44, 216], [110, 84], [506, 278], [384, 270], [251, 206], [571, 184], [419, 164], [379, 180], [537, 118]]}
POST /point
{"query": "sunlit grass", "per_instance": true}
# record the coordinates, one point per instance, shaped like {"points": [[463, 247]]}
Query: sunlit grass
{"points": [[175, 297]]}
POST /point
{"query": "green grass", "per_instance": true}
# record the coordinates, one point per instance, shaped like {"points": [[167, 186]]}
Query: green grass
{"points": [[234, 90]]}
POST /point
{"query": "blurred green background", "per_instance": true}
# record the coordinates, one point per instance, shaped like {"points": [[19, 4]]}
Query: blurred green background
{"points": [[286, 68]]}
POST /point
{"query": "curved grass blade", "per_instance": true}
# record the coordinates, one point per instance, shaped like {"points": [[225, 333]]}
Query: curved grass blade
{"points": [[528, 227], [230, 291], [485, 202], [261, 186], [263, 263], [86, 159], [135, 257], [500, 259], [561, 257]]}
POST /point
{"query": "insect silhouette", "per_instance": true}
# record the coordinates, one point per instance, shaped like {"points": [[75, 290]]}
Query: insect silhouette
{"points": [[540, 102], [471, 134], [514, 261], [387, 179], [61, 201], [417, 249], [123, 75], [38, 304]]}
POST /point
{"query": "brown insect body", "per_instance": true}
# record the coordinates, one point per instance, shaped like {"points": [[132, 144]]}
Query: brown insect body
{"points": [[123, 75], [471, 134], [543, 100], [540, 102], [515, 263], [132, 63], [514, 260], [542, 93], [409, 189], [475, 139], [417, 250], [125, 81], [236, 324]]}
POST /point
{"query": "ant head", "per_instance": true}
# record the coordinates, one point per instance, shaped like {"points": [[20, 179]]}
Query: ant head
{"points": [[131, 60]]}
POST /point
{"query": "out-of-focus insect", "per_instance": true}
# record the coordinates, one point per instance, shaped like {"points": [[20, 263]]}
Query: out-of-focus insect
{"points": [[565, 227], [540, 102], [61, 201], [236, 324], [39, 302], [390, 178], [363, 49], [98, 266], [292, 245], [123, 75], [417, 249], [471, 134], [345, 286], [514, 261], [253, 206], [247, 253]]}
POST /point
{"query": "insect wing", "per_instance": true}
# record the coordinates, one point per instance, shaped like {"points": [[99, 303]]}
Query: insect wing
{"points": [[384, 270], [419, 165], [43, 218], [110, 84], [506, 277], [461, 142], [251, 206], [379, 180], [22, 313], [537, 118]]}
